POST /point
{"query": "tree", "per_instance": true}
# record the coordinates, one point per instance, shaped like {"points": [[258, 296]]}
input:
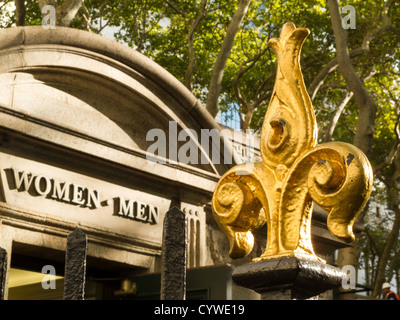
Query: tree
{"points": [[388, 172], [366, 120], [218, 49]]}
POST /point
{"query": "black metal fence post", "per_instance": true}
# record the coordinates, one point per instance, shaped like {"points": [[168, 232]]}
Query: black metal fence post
{"points": [[173, 258], [3, 272], [75, 266]]}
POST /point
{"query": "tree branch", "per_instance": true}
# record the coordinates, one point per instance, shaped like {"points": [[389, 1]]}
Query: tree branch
{"points": [[396, 145], [43, 3], [366, 105], [340, 108], [176, 9], [258, 98], [190, 39], [250, 62], [364, 48], [336, 116], [219, 65], [86, 16]]}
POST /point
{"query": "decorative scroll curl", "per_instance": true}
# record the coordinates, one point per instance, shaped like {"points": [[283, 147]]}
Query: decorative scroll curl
{"points": [[294, 172], [240, 205]]}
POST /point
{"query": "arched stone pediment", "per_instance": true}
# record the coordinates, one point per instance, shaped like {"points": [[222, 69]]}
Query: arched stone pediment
{"points": [[85, 92], [75, 113]]}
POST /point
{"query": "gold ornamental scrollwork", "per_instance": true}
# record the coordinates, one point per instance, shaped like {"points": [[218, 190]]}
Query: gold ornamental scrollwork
{"points": [[295, 172]]}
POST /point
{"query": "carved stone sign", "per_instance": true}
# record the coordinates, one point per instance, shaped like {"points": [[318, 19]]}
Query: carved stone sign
{"points": [[45, 189], [76, 194]]}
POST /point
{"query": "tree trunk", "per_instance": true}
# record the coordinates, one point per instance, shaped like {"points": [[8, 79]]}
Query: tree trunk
{"points": [[246, 121], [390, 241], [393, 260], [336, 116], [20, 11], [367, 112], [223, 55], [397, 272]]}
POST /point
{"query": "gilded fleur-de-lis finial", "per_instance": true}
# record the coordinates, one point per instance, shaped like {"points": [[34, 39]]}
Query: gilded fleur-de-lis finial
{"points": [[294, 172]]}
